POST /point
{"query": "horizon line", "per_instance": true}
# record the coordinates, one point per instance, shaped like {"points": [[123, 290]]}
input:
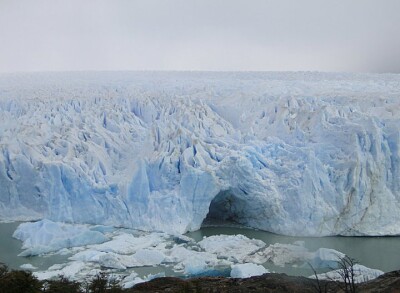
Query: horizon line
{"points": [[189, 71]]}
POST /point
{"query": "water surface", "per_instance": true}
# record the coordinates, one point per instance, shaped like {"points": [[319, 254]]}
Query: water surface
{"points": [[374, 252]]}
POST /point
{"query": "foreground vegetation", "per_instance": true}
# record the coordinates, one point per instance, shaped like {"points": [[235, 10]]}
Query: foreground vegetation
{"points": [[17, 281]]}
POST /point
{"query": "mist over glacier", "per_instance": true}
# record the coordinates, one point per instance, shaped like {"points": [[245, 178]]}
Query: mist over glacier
{"points": [[292, 153]]}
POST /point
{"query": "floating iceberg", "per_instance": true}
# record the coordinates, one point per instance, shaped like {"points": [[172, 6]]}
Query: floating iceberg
{"points": [[124, 249], [247, 270], [292, 153], [281, 255], [69, 271], [234, 248], [326, 258], [28, 266], [46, 236], [360, 274]]}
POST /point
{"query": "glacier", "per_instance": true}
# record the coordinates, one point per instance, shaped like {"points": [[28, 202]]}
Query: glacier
{"points": [[300, 153]]}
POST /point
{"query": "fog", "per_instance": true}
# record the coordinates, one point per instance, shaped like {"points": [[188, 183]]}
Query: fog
{"points": [[331, 35]]}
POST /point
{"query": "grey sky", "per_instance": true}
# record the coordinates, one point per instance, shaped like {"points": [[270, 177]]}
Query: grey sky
{"points": [[326, 35]]}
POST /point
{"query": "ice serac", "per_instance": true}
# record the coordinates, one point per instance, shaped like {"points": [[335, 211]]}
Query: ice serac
{"points": [[291, 153]]}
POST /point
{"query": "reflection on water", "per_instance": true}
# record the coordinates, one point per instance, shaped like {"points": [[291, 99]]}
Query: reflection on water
{"points": [[374, 252]]}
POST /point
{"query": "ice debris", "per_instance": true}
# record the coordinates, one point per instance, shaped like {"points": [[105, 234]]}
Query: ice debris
{"points": [[46, 236], [361, 274], [124, 250], [247, 270], [28, 266]]}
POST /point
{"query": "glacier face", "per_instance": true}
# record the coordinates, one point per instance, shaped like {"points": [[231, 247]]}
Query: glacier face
{"points": [[292, 153]]}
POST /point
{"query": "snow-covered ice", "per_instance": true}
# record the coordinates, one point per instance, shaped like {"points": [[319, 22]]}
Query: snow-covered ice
{"points": [[232, 247], [28, 266], [46, 236], [292, 153], [247, 270], [281, 254], [126, 243], [125, 250], [69, 271], [295, 254], [326, 258], [361, 274], [132, 279]]}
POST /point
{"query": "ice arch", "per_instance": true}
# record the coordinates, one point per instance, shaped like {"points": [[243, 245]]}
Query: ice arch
{"points": [[228, 206]]}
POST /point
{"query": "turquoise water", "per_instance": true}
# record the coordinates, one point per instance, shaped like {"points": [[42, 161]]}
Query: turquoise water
{"points": [[374, 252]]}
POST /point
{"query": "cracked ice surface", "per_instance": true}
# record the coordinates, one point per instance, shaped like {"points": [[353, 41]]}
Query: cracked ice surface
{"points": [[361, 274], [291, 153]]}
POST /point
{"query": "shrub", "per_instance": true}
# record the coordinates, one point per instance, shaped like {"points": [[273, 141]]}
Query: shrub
{"points": [[62, 285], [18, 281], [101, 284]]}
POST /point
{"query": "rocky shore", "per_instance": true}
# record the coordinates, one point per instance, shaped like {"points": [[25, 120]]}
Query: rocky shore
{"points": [[389, 282]]}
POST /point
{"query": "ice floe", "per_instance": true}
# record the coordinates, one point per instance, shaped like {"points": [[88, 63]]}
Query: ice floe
{"points": [[360, 273], [46, 236], [234, 248], [28, 267], [123, 251], [247, 270]]}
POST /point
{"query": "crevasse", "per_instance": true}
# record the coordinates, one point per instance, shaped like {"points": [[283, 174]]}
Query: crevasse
{"points": [[292, 153]]}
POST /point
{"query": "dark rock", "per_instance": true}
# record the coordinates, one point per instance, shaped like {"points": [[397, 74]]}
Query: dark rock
{"points": [[389, 282]]}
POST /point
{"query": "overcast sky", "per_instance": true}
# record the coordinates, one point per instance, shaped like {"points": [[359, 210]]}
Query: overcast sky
{"points": [[323, 35]]}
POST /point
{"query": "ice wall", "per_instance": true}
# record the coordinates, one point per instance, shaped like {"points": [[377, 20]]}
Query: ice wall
{"points": [[291, 153]]}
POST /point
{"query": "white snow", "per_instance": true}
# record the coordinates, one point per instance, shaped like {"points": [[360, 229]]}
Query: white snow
{"points": [[292, 153], [192, 262], [111, 260], [296, 255], [69, 271], [195, 266], [232, 247], [326, 258], [149, 257], [126, 243], [89, 255], [46, 236], [126, 249], [131, 280], [247, 270], [361, 274], [281, 254], [28, 266]]}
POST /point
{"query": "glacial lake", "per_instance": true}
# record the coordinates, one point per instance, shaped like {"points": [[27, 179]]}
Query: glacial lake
{"points": [[374, 252]]}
